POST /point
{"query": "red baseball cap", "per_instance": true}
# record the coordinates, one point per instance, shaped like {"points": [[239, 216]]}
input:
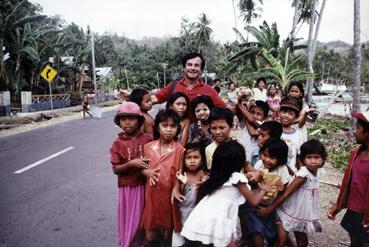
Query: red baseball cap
{"points": [[362, 115]]}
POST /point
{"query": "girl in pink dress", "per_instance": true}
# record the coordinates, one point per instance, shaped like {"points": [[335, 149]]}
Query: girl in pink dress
{"points": [[126, 157], [160, 216]]}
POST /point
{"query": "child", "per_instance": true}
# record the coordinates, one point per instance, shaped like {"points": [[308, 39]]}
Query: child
{"points": [[214, 219], [160, 216], [179, 102], [296, 90], [273, 100], [232, 93], [252, 118], [267, 130], [354, 192], [220, 120], [126, 157], [199, 130], [299, 212], [273, 161], [142, 98], [85, 106], [193, 175], [289, 112]]}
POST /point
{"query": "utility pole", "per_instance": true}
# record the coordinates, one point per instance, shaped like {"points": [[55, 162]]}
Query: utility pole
{"points": [[93, 61]]}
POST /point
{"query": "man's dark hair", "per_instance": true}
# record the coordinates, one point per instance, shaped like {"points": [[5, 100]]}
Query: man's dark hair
{"points": [[191, 56], [274, 128], [137, 95], [218, 113]]}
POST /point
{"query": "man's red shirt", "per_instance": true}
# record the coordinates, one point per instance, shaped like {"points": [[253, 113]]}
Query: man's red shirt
{"points": [[200, 89]]}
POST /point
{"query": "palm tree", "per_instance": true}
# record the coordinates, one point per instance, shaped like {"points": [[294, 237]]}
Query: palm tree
{"points": [[283, 74], [357, 60], [202, 35], [313, 36], [250, 9]]}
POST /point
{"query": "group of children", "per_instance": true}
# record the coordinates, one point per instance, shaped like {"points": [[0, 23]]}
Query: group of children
{"points": [[185, 181]]}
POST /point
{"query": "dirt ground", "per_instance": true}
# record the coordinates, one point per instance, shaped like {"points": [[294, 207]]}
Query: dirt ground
{"points": [[332, 235]]}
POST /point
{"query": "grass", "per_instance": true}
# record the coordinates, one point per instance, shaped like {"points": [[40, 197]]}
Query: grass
{"points": [[336, 135]]}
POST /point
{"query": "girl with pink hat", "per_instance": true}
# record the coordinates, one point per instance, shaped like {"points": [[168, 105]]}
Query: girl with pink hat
{"points": [[128, 162]]}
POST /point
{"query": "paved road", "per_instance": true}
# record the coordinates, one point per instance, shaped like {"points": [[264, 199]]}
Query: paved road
{"points": [[69, 200]]}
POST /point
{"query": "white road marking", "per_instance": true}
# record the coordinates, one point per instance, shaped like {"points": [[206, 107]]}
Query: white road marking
{"points": [[43, 160]]}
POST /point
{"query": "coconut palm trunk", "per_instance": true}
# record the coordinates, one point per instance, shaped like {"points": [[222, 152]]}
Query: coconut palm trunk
{"points": [[310, 55], [357, 59]]}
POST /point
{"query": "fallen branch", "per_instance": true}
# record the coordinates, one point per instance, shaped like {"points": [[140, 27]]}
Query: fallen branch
{"points": [[330, 183]]}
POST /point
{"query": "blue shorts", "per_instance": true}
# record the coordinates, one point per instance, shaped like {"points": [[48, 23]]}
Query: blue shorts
{"points": [[352, 223]]}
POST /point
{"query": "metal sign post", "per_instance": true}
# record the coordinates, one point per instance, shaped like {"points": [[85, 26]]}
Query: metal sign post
{"points": [[48, 73]]}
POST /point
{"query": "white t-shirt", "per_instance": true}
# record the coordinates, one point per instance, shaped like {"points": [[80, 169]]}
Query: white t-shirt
{"points": [[294, 140], [260, 94]]}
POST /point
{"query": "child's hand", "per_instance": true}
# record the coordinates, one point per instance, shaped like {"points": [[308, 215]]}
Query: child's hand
{"points": [[140, 163], [264, 186], [176, 195], [279, 185], [264, 211], [181, 177], [152, 174], [332, 211]]}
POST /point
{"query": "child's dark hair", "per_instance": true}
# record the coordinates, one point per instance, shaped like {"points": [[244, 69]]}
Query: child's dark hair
{"points": [[222, 168], [191, 56], [218, 113], [274, 128], [263, 106], [163, 116], [297, 84], [172, 98], [312, 147], [365, 125], [194, 146], [277, 149], [201, 99], [137, 95]]}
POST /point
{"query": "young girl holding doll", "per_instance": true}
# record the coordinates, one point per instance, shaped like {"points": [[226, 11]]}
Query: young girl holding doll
{"points": [[214, 220], [160, 216], [179, 102], [199, 130], [126, 157], [272, 164], [190, 178], [298, 210]]}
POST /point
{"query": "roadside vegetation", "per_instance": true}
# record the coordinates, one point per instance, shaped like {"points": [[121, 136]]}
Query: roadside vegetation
{"points": [[336, 133]]}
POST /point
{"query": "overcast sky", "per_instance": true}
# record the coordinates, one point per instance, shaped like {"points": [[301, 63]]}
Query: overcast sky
{"points": [[157, 18]]}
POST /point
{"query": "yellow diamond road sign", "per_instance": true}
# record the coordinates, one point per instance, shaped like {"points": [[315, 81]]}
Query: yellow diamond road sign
{"points": [[48, 73]]}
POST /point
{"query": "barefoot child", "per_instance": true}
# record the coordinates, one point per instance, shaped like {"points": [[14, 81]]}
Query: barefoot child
{"points": [[142, 98], [299, 205], [193, 174], [214, 219], [160, 216], [354, 192], [126, 157]]}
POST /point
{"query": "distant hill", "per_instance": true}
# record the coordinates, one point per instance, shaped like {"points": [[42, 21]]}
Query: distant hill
{"points": [[337, 44]]}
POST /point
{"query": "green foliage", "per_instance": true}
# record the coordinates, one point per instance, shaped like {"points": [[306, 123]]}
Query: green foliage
{"points": [[334, 134]]}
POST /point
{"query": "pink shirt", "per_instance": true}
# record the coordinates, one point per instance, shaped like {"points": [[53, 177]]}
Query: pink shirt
{"points": [[358, 186]]}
